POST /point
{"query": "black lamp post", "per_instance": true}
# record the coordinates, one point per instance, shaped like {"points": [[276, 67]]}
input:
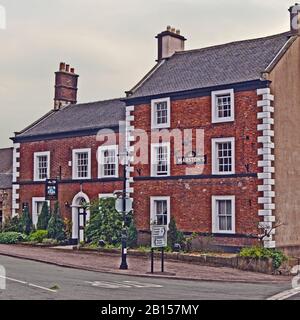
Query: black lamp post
{"points": [[124, 265]]}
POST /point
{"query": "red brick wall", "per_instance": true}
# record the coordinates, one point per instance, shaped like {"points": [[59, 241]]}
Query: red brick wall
{"points": [[191, 199], [196, 114], [67, 192], [60, 155]]}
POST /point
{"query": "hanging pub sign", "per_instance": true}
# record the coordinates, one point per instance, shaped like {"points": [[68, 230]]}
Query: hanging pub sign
{"points": [[51, 189], [191, 159]]}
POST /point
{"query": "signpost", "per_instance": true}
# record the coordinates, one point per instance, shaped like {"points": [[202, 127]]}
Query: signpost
{"points": [[123, 206], [159, 239], [51, 189]]}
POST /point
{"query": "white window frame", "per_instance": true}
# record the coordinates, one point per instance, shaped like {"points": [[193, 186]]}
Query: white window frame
{"points": [[215, 221], [74, 163], [101, 151], [154, 147], [35, 216], [152, 208], [214, 111], [215, 164], [35, 165], [154, 124]]}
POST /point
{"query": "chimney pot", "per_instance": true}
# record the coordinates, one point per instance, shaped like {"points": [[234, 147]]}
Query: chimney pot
{"points": [[169, 42], [67, 68], [295, 19], [62, 66], [72, 70]]}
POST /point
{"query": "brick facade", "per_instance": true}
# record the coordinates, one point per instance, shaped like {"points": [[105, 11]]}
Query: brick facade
{"points": [[60, 158], [191, 198]]}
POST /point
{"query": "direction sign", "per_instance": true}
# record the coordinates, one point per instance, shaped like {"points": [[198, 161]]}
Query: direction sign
{"points": [[159, 237]]}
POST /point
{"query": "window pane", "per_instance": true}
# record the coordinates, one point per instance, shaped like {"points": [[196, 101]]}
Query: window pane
{"points": [[82, 164], [224, 151], [39, 207], [161, 212], [223, 106], [224, 208], [161, 161], [161, 112], [42, 167], [109, 163]]}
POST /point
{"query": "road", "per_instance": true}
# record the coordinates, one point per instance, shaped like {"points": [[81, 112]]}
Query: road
{"points": [[39, 281]]}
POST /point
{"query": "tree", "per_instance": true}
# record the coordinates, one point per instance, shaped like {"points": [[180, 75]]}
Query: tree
{"points": [[26, 221], [12, 225], [174, 236], [56, 225], [44, 217], [105, 222], [132, 232]]}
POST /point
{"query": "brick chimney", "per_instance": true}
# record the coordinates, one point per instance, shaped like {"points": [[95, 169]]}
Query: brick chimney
{"points": [[65, 86], [295, 19], [169, 42]]}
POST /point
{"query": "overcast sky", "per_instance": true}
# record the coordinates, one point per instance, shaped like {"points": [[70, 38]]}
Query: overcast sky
{"points": [[110, 43]]}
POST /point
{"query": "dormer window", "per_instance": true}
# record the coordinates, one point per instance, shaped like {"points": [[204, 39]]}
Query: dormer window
{"points": [[222, 106], [161, 113]]}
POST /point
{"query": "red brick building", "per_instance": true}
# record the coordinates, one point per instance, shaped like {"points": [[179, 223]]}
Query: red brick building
{"points": [[64, 145], [5, 184], [229, 169]]}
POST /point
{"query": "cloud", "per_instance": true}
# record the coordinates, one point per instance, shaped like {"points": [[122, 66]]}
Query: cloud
{"points": [[110, 43]]}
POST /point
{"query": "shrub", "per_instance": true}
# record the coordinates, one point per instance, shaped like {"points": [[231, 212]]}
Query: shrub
{"points": [[105, 222], [12, 237], [38, 236], [26, 222], [56, 225], [44, 217], [256, 252], [12, 225], [174, 235], [132, 234]]}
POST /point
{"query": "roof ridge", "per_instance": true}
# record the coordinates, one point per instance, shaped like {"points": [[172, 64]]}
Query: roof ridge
{"points": [[232, 42], [95, 102]]}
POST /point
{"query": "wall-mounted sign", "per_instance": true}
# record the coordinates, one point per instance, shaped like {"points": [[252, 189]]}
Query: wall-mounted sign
{"points": [[191, 159], [159, 237], [51, 189]]}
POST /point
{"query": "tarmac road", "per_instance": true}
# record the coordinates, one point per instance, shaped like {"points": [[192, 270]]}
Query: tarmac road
{"points": [[28, 280]]}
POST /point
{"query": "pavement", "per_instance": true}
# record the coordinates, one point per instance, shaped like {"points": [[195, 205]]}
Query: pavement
{"points": [[31, 280], [138, 266]]}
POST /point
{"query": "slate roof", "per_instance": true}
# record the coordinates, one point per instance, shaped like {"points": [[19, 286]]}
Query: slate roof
{"points": [[6, 163], [78, 117], [229, 63]]}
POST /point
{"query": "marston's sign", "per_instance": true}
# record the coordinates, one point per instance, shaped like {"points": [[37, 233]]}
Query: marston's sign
{"points": [[191, 159]]}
